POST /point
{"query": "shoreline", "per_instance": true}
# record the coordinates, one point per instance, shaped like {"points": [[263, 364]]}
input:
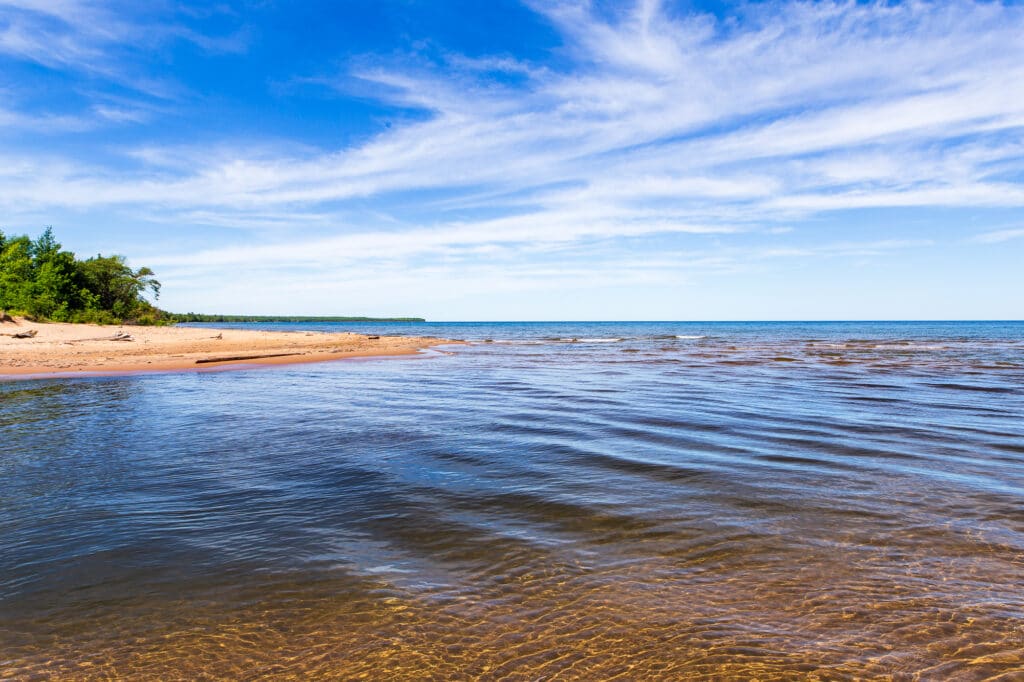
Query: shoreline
{"points": [[64, 350]]}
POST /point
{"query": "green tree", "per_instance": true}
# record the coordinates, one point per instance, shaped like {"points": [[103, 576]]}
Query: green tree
{"points": [[45, 247], [56, 289], [56, 292], [16, 274], [3, 240], [117, 287]]}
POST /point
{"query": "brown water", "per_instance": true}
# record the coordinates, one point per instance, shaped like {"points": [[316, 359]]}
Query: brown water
{"points": [[650, 508]]}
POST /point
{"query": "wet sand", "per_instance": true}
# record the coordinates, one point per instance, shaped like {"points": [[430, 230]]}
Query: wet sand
{"points": [[61, 349]]}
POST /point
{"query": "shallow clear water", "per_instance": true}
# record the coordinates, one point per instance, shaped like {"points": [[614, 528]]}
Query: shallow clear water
{"points": [[565, 501]]}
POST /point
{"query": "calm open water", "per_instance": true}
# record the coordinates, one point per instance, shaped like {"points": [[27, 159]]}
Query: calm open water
{"points": [[650, 501]]}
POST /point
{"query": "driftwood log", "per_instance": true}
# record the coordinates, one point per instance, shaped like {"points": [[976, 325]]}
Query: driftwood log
{"points": [[30, 334], [239, 358], [118, 336]]}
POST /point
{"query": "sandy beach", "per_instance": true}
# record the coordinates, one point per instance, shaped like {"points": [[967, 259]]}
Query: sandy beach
{"points": [[78, 348]]}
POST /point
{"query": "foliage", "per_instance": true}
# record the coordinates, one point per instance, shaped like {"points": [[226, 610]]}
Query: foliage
{"points": [[40, 279]]}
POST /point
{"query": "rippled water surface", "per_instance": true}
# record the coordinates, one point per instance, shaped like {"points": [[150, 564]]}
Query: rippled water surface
{"points": [[552, 501]]}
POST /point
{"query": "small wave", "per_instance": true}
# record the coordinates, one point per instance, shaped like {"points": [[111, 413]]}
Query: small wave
{"points": [[908, 346], [689, 336], [574, 339], [974, 387]]}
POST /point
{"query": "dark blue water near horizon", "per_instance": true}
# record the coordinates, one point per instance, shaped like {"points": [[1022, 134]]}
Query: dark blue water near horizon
{"points": [[650, 500], [477, 331]]}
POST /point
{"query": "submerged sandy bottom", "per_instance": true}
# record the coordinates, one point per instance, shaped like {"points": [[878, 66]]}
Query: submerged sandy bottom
{"points": [[550, 620], [78, 348]]}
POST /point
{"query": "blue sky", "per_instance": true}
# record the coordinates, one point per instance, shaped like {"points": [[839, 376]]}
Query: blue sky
{"points": [[528, 160]]}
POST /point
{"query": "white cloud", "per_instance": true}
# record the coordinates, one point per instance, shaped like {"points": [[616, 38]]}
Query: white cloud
{"points": [[999, 236], [101, 39], [664, 124]]}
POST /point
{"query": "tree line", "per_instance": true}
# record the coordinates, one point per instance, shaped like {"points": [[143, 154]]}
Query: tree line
{"points": [[200, 317], [40, 279]]}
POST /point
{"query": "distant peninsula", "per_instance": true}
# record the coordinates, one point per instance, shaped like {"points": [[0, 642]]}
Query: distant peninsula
{"points": [[197, 317]]}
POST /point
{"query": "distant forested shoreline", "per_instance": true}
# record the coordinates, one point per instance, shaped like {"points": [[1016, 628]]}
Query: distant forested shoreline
{"points": [[42, 281], [197, 317]]}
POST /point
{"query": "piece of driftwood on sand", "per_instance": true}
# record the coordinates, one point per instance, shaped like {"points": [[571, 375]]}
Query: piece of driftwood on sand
{"points": [[30, 334], [118, 336], [239, 358]]}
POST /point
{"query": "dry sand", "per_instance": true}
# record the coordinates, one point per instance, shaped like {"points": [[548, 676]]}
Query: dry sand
{"points": [[76, 348]]}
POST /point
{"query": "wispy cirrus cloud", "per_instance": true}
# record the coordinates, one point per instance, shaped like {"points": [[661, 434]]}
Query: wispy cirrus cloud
{"points": [[85, 35], [998, 236], [107, 46], [651, 122]]}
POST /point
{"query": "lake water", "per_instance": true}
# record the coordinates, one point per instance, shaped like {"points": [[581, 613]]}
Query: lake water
{"points": [[553, 501]]}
